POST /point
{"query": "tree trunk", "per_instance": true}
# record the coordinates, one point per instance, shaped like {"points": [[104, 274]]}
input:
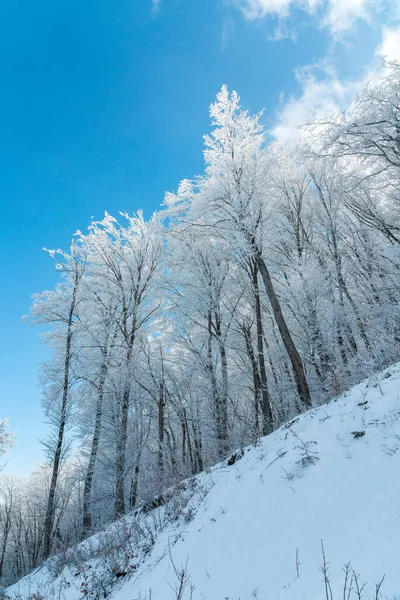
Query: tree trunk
{"points": [[50, 511], [119, 510], [5, 532], [216, 400], [223, 395], [268, 424], [122, 436], [198, 444], [87, 491], [185, 427], [161, 428], [134, 485], [294, 357], [256, 378]]}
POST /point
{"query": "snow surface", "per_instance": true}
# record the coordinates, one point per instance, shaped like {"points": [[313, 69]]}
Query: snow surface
{"points": [[311, 480]]}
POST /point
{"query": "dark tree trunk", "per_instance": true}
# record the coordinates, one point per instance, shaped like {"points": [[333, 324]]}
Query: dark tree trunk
{"points": [[121, 456], [50, 511], [161, 428], [134, 486], [256, 378], [294, 357], [122, 435], [217, 401], [198, 445], [185, 428], [5, 534], [87, 490], [266, 408], [223, 395]]}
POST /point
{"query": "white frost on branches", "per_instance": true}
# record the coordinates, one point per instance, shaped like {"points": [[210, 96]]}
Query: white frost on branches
{"points": [[6, 438]]}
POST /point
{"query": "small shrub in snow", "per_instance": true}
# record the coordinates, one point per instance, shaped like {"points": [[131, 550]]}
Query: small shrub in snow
{"points": [[99, 563], [352, 588], [307, 456]]}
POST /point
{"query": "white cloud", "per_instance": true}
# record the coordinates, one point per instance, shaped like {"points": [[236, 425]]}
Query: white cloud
{"points": [[341, 14], [156, 5], [256, 9], [322, 96], [282, 33], [337, 15], [390, 46]]}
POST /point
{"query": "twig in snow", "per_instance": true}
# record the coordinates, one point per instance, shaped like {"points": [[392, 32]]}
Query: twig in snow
{"points": [[324, 570]]}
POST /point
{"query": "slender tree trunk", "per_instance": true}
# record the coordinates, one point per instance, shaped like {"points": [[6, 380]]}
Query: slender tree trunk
{"points": [[161, 428], [185, 426], [223, 395], [5, 533], [87, 490], [294, 357], [256, 378], [268, 424], [183, 433], [173, 451], [216, 400], [198, 444], [316, 337], [344, 289], [134, 485], [121, 455], [50, 511], [122, 437]]}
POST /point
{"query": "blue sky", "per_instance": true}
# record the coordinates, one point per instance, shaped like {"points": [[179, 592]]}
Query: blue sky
{"points": [[103, 106]]}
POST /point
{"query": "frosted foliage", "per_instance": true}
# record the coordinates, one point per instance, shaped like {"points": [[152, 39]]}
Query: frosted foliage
{"points": [[263, 287], [6, 438]]}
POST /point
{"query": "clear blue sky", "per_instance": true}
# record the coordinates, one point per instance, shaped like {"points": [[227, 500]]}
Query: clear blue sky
{"points": [[103, 105]]}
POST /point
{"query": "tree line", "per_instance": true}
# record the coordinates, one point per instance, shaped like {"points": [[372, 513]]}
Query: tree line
{"points": [[262, 288]]}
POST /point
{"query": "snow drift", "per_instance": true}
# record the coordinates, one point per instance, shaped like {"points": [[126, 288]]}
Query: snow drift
{"points": [[253, 528]]}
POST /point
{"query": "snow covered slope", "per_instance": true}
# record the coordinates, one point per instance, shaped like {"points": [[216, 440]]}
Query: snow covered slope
{"points": [[254, 529]]}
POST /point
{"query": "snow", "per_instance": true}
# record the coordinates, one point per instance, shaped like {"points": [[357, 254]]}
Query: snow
{"points": [[311, 480]]}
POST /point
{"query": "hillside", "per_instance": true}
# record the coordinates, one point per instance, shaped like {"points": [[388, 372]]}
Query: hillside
{"points": [[253, 529]]}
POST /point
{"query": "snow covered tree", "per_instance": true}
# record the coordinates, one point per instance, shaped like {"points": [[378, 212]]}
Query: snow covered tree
{"points": [[232, 200], [59, 307], [264, 282], [6, 438], [126, 259]]}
